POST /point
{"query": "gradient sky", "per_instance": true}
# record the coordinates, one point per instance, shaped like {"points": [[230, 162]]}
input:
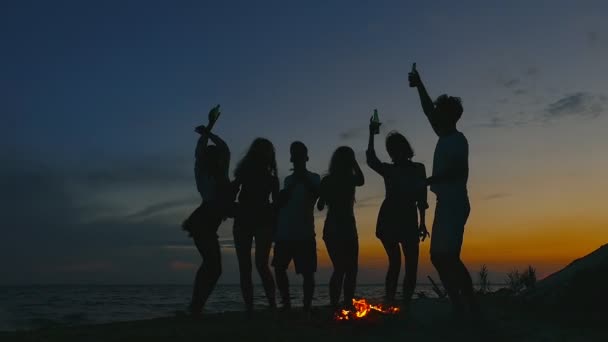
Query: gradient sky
{"points": [[99, 100]]}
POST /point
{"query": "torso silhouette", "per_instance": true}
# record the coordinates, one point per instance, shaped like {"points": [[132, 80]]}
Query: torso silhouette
{"points": [[338, 193], [450, 161], [405, 186], [296, 217]]}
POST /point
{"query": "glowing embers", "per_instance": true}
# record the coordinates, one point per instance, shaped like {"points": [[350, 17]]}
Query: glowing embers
{"points": [[362, 309]]}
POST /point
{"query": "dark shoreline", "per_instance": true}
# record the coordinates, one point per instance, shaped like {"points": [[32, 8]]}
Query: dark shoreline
{"points": [[429, 320]]}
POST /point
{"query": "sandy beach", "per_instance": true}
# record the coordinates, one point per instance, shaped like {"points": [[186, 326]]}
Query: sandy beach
{"points": [[429, 320]]}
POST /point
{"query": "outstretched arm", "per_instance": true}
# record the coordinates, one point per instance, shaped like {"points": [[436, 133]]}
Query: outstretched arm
{"points": [[372, 160], [428, 107]]}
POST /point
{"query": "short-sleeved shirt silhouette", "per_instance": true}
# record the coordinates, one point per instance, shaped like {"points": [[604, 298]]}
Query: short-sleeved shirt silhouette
{"points": [[451, 158], [296, 217], [405, 191]]}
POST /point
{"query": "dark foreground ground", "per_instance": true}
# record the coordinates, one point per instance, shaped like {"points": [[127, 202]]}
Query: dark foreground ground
{"points": [[429, 320]]}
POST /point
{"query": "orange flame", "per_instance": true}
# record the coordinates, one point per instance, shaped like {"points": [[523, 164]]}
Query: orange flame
{"points": [[362, 308]]}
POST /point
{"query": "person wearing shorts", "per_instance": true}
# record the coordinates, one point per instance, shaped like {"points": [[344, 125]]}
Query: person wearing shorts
{"points": [[449, 183], [295, 234]]}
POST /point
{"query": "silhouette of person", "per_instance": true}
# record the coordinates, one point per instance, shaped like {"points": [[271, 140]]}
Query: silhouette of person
{"points": [[340, 231], [398, 226], [211, 174], [295, 235], [449, 183], [256, 182]]}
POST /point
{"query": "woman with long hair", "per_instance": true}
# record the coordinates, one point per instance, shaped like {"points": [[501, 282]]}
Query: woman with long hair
{"points": [[211, 174], [398, 227], [257, 183], [340, 230]]}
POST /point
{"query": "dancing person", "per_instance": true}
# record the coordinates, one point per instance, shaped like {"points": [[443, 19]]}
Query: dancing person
{"points": [[340, 231], [295, 235], [211, 174], [449, 183], [399, 227], [256, 182]]}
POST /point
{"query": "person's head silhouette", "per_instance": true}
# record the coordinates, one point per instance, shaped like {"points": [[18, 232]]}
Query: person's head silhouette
{"points": [[299, 154], [342, 162], [259, 158], [398, 148], [448, 110]]}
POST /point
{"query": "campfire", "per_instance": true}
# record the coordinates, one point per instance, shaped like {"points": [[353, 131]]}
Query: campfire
{"points": [[362, 309]]}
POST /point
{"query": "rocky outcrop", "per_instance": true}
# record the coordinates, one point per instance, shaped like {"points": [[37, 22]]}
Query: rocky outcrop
{"points": [[581, 286]]}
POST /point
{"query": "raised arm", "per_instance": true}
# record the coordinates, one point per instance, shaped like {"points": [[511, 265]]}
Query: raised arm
{"points": [[428, 107], [372, 160]]}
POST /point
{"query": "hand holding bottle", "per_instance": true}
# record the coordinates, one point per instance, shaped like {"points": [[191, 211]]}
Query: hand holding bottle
{"points": [[413, 77], [374, 123]]}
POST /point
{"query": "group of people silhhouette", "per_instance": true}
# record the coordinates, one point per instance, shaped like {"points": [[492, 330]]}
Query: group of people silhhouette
{"points": [[267, 214]]}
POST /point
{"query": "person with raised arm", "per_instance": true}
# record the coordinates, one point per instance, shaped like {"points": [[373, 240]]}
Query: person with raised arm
{"points": [[257, 183], [340, 230], [449, 183], [401, 220], [211, 175], [295, 234]]}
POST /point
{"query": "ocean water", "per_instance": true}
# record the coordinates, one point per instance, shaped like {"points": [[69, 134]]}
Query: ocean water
{"points": [[31, 307]]}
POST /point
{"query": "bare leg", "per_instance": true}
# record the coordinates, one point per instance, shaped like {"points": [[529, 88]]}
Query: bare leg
{"points": [[243, 241], [411, 253], [283, 285], [337, 276], [446, 269], [262, 254], [350, 279], [394, 267], [207, 274], [309, 289]]}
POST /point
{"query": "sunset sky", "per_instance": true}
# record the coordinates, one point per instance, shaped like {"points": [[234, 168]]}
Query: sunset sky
{"points": [[99, 100]]}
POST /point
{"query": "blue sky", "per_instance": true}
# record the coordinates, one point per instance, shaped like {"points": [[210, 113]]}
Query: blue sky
{"points": [[99, 99]]}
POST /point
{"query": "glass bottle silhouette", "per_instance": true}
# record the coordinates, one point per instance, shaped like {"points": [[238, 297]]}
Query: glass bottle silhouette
{"points": [[413, 71], [376, 121]]}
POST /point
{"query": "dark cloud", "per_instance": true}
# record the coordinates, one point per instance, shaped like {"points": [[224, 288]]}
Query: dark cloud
{"points": [[532, 71], [362, 131], [50, 237], [512, 82], [494, 122], [520, 91], [497, 195], [352, 133], [594, 38], [162, 207], [575, 105], [580, 104], [369, 201], [142, 171]]}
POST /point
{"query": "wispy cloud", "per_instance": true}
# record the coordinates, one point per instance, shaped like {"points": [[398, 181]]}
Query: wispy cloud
{"points": [[579, 104], [497, 195], [595, 39], [362, 131], [178, 265], [512, 82], [161, 207]]}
